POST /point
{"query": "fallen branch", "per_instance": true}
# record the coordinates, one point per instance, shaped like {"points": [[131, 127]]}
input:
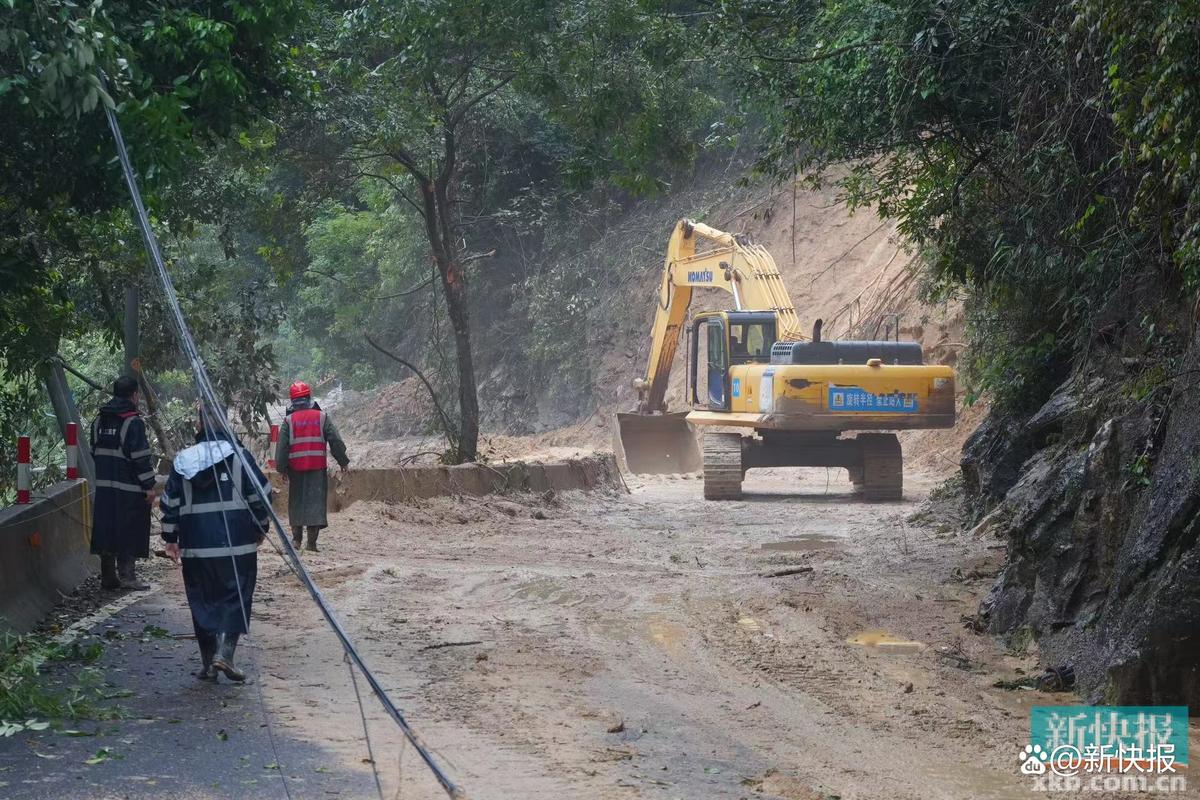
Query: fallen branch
{"points": [[440, 645], [409, 459], [782, 573]]}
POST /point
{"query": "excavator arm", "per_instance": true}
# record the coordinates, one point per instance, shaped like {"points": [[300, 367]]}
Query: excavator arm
{"points": [[651, 439], [732, 264]]}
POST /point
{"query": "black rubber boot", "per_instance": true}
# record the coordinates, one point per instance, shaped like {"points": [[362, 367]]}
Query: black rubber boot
{"points": [[312, 539], [108, 573], [127, 573], [298, 535], [223, 660], [208, 649]]}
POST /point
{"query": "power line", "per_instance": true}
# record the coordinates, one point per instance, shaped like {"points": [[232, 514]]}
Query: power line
{"points": [[213, 407]]}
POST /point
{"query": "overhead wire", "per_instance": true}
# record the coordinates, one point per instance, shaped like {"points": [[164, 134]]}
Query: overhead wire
{"points": [[215, 409]]}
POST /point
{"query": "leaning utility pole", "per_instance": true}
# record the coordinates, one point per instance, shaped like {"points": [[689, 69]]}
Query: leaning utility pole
{"points": [[65, 410], [133, 299], [133, 366]]}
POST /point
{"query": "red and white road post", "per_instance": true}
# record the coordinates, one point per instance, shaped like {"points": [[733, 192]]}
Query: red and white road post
{"points": [[24, 470], [72, 451], [274, 441]]}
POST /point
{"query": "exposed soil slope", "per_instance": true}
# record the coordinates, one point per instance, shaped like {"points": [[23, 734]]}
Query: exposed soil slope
{"points": [[848, 269]]}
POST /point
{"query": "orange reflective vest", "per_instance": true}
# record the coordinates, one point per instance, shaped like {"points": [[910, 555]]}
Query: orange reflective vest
{"points": [[306, 440]]}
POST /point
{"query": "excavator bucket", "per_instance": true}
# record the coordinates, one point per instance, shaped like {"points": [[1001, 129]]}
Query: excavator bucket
{"points": [[657, 443]]}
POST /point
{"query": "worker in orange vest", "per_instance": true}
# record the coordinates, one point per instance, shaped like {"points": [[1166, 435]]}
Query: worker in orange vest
{"points": [[306, 438]]}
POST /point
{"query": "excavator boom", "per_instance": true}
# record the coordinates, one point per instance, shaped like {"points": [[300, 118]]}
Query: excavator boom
{"points": [[651, 440], [732, 264]]}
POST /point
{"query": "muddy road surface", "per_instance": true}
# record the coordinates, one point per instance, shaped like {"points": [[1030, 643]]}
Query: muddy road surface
{"points": [[644, 645]]}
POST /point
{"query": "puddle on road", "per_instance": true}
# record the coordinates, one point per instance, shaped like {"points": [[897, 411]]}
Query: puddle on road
{"points": [[885, 642], [655, 628], [804, 543], [547, 590]]}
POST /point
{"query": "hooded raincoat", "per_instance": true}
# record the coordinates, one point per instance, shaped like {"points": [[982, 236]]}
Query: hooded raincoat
{"points": [[212, 509], [124, 473]]}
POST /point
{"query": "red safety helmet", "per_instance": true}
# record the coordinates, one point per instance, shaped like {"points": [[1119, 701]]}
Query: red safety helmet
{"points": [[299, 389]]}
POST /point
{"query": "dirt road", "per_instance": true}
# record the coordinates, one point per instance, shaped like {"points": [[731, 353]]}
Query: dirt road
{"points": [[611, 646]]}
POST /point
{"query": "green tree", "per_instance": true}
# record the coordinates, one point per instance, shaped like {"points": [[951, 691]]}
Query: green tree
{"points": [[416, 90], [181, 76], [1041, 154]]}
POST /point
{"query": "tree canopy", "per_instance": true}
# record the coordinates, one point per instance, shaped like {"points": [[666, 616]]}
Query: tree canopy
{"points": [[180, 75], [1042, 156]]}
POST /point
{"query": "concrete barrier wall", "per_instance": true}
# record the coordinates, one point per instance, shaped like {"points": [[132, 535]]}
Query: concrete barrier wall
{"points": [[416, 483], [43, 552]]}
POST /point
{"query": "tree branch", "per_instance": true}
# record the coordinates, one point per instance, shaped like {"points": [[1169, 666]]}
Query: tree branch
{"points": [[62, 363], [406, 160], [462, 111], [447, 426], [418, 287], [395, 188]]}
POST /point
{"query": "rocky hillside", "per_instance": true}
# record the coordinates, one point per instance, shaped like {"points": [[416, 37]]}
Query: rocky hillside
{"points": [[1098, 495]]}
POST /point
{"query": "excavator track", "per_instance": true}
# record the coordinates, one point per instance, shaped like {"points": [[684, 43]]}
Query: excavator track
{"points": [[882, 474], [722, 459]]}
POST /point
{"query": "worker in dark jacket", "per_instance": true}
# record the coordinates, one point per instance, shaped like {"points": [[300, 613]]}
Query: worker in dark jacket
{"points": [[124, 488], [213, 521], [301, 460]]}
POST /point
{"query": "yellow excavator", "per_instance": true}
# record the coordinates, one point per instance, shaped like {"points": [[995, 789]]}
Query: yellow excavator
{"points": [[791, 396]]}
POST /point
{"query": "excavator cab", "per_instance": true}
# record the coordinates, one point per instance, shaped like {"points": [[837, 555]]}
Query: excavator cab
{"points": [[719, 340], [716, 341]]}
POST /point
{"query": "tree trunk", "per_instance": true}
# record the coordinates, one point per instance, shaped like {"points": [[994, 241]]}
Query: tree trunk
{"points": [[468, 395], [439, 229]]}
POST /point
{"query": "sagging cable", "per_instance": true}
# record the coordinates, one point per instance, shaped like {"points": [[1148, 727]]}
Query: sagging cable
{"points": [[216, 412]]}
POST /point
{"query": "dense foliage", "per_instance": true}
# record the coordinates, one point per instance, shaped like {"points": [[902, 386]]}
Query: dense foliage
{"points": [[433, 172], [182, 75], [1042, 155], [448, 131]]}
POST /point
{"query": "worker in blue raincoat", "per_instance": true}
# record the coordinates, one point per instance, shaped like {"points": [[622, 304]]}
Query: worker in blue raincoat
{"points": [[124, 488], [213, 522]]}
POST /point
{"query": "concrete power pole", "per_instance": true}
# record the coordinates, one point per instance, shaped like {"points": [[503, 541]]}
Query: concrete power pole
{"points": [[133, 366], [65, 411], [133, 299]]}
